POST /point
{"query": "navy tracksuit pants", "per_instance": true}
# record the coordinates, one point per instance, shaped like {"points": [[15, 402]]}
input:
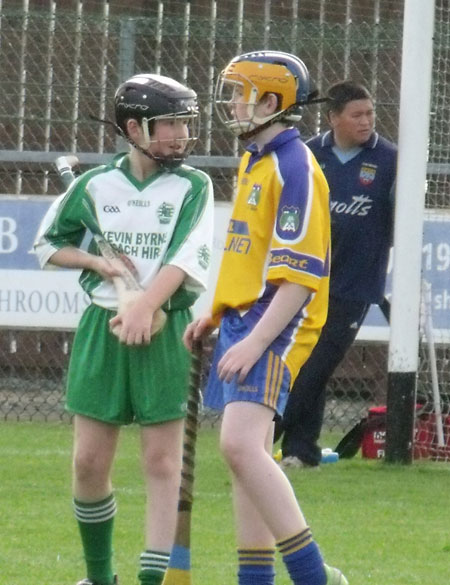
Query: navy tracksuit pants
{"points": [[303, 417]]}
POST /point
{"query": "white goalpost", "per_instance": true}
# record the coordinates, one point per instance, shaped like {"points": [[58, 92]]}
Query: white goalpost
{"points": [[419, 349], [410, 202]]}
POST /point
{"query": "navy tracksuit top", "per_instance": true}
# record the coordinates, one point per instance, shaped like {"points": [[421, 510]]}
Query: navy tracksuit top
{"points": [[361, 201]]}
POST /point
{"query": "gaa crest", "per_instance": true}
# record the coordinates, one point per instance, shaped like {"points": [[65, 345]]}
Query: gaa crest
{"points": [[255, 194], [165, 212], [290, 219], [367, 174]]}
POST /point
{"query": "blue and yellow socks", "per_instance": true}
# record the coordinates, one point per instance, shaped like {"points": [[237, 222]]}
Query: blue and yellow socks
{"points": [[300, 553], [256, 566], [303, 560], [153, 566], [95, 522]]}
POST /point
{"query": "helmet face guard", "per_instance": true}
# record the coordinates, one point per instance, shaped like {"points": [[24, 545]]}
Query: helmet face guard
{"points": [[154, 146], [248, 78], [148, 98], [232, 93]]}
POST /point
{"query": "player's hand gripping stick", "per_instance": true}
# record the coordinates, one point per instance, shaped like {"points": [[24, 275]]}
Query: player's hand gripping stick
{"points": [[127, 286]]}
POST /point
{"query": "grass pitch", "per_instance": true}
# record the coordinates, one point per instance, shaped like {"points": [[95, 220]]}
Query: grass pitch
{"points": [[381, 524]]}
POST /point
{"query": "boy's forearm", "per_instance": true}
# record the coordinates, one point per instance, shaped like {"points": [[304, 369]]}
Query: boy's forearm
{"points": [[163, 286], [71, 257], [287, 301]]}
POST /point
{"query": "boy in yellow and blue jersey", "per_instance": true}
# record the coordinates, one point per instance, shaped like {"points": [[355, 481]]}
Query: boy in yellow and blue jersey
{"points": [[271, 303]]}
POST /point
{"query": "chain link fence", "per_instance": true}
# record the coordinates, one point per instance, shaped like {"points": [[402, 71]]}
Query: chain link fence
{"points": [[61, 63]]}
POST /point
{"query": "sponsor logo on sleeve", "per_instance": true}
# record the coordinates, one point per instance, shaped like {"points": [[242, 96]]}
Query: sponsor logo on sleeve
{"points": [[204, 256], [289, 219], [284, 257]]}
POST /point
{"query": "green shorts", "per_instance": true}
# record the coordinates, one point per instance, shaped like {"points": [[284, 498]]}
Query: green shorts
{"points": [[119, 384]]}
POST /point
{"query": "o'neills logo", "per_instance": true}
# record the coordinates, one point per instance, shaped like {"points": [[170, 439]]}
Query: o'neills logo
{"points": [[248, 388], [138, 203]]}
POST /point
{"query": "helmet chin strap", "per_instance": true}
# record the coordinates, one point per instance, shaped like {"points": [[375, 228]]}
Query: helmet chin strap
{"points": [[254, 124], [146, 132], [256, 129], [279, 116], [163, 162]]}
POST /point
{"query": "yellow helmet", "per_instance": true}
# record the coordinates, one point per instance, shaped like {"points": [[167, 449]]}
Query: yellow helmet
{"points": [[251, 76]]}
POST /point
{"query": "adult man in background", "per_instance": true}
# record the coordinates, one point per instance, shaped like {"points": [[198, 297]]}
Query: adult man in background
{"points": [[360, 168]]}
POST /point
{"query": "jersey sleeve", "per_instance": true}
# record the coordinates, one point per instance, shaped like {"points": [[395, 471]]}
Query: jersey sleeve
{"points": [[191, 244], [300, 244], [65, 222]]}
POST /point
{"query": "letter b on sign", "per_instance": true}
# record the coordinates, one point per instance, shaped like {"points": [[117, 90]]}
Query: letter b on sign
{"points": [[8, 238]]}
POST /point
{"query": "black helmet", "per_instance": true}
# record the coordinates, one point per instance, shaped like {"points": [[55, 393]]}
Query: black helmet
{"points": [[146, 97], [150, 96]]}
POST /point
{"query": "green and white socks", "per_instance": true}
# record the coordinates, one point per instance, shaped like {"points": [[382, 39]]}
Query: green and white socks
{"points": [[153, 566], [95, 522]]}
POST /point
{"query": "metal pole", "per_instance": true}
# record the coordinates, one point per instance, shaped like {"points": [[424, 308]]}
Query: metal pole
{"points": [[320, 63], [159, 35], [49, 85], [23, 88], [410, 200], [76, 76], [240, 19], [376, 42], [186, 36], [103, 75], [294, 29], [211, 71], [348, 32], [266, 24], [127, 50]]}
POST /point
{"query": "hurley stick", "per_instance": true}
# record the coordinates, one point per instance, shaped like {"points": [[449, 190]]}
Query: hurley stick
{"points": [[179, 569], [127, 285]]}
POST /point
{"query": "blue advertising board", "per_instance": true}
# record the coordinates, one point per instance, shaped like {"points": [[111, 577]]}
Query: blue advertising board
{"points": [[31, 297], [19, 220], [435, 277]]}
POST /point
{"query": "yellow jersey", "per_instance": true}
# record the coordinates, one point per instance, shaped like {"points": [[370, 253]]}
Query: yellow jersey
{"points": [[279, 230]]}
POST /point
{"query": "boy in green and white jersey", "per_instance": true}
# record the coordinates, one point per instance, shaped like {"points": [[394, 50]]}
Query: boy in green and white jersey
{"points": [[159, 213]]}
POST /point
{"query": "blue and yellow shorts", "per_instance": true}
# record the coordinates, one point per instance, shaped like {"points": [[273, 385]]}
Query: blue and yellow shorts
{"points": [[268, 382]]}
